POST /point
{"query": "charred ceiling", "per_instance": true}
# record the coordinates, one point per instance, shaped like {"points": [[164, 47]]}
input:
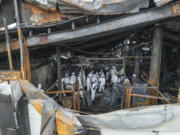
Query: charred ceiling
{"points": [[91, 56], [91, 27]]}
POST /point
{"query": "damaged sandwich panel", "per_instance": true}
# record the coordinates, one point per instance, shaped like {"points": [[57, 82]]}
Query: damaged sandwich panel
{"points": [[97, 7], [109, 7], [51, 112], [10, 75], [136, 121], [45, 4], [33, 14]]}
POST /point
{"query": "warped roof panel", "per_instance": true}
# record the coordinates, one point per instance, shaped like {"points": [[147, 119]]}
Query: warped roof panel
{"points": [[107, 7], [96, 7]]}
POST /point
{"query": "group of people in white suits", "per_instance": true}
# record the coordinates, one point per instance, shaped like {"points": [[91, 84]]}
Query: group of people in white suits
{"points": [[93, 81]]}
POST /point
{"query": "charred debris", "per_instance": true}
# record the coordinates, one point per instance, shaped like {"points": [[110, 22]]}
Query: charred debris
{"points": [[91, 56]]}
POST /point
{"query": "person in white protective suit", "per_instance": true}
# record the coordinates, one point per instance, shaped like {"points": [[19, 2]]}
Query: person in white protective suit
{"points": [[97, 75], [80, 81], [94, 87], [102, 82], [101, 73], [91, 73], [67, 82], [113, 73], [121, 75], [62, 83], [114, 79], [121, 72], [84, 79], [80, 84], [126, 81], [113, 70], [88, 81], [72, 79]]}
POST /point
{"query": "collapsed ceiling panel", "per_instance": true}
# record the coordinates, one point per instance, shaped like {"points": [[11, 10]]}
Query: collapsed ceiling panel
{"points": [[46, 4], [55, 5], [107, 7], [34, 14], [99, 7]]}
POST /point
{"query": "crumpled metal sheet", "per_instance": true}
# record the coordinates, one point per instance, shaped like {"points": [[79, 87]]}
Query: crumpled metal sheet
{"points": [[45, 4], [109, 7], [54, 6], [53, 115], [34, 14], [162, 2], [98, 7], [150, 118]]}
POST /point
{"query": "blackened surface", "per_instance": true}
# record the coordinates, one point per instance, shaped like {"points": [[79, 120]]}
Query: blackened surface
{"points": [[9, 131], [5, 98], [6, 113], [7, 10], [23, 117]]}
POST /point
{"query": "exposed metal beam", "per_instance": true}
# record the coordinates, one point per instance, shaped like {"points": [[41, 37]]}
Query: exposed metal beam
{"points": [[156, 60], [121, 24], [102, 41], [117, 25]]}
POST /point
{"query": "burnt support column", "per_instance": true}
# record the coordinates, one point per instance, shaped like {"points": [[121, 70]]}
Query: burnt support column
{"points": [[24, 52], [58, 52], [20, 38], [156, 60], [27, 63]]}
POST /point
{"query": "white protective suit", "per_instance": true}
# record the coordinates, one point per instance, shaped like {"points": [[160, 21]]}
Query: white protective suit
{"points": [[102, 82], [80, 81], [114, 79], [84, 79], [72, 80], [94, 87], [88, 82], [67, 82], [113, 70], [63, 83]]}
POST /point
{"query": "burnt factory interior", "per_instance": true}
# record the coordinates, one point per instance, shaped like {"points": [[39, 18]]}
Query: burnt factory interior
{"points": [[102, 66], [89, 57]]}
